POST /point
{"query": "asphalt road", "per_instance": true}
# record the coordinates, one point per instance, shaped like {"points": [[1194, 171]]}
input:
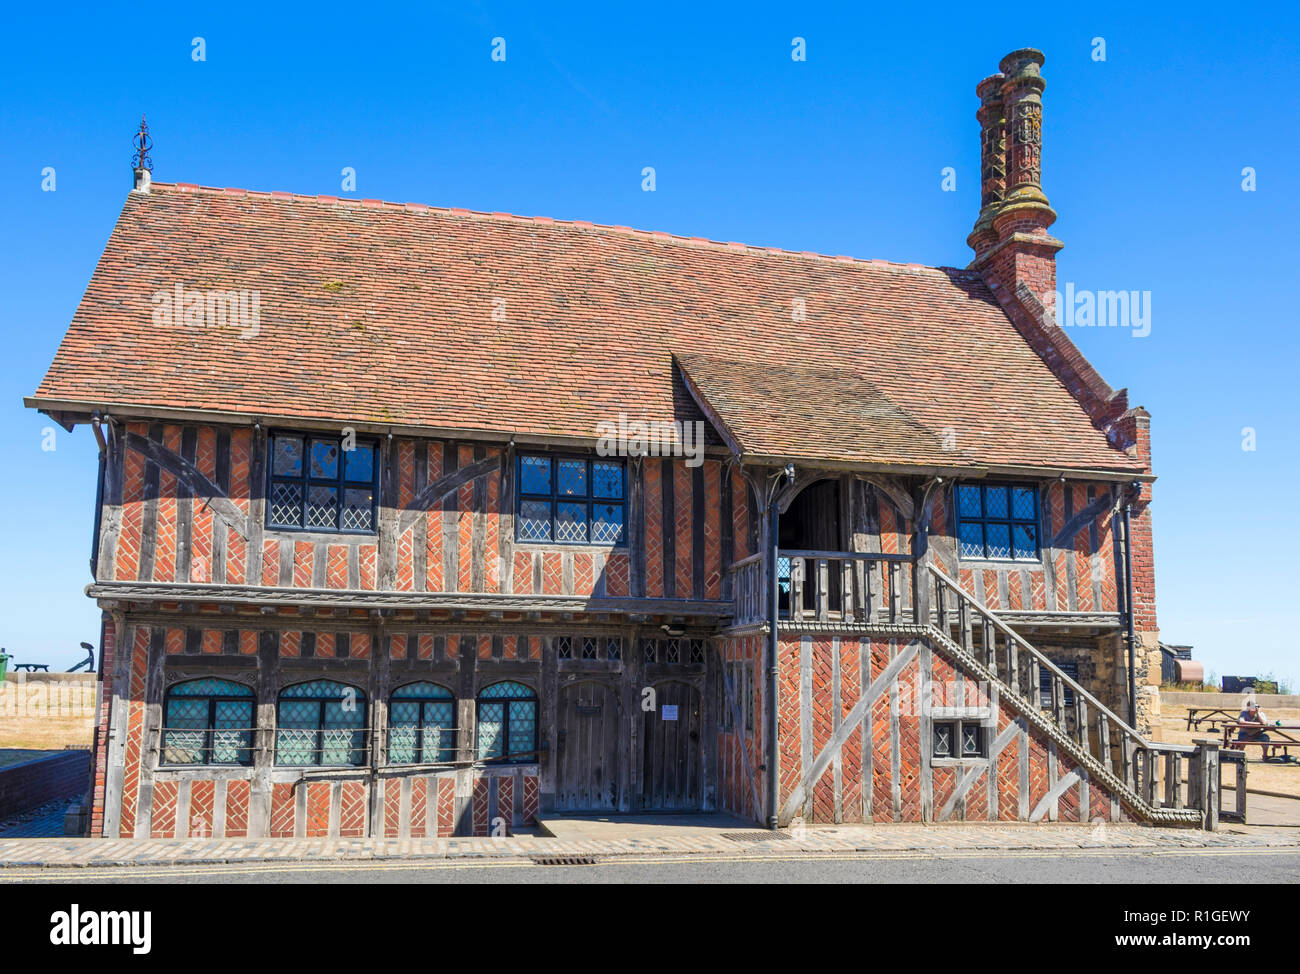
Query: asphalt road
{"points": [[1173, 866]]}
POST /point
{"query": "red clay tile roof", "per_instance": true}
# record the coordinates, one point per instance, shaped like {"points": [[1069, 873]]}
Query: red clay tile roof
{"points": [[816, 414], [383, 313]]}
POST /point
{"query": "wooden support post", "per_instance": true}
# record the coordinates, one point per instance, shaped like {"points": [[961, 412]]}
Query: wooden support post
{"points": [[1013, 665]]}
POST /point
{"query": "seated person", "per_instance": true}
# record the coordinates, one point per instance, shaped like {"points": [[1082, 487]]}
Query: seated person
{"points": [[1254, 716]]}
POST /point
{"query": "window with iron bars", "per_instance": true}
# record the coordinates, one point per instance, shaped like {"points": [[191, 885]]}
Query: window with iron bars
{"points": [[421, 724], [506, 728], [314, 484], [321, 723], [208, 721]]}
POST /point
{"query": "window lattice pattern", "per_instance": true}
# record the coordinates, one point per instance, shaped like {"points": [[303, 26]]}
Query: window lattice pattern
{"points": [[571, 500], [673, 651], [959, 738], [210, 687], [202, 725], [997, 521], [943, 740], [507, 722], [321, 723], [422, 724], [317, 485]]}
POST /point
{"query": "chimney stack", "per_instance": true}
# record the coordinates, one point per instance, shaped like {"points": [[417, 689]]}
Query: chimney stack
{"points": [[1010, 237]]}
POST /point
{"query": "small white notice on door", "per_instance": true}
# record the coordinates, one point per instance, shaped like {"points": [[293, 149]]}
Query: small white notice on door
{"points": [[669, 711]]}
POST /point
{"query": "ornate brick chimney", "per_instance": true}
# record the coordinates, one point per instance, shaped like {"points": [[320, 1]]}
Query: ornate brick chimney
{"points": [[1010, 238], [1014, 253]]}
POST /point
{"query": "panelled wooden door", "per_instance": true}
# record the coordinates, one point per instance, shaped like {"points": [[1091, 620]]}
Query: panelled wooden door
{"points": [[587, 767], [672, 759]]}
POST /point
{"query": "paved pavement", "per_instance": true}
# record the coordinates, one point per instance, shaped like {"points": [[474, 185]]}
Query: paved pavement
{"points": [[1240, 867], [667, 839]]}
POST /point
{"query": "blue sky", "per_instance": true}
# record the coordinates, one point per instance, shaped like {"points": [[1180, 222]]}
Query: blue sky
{"points": [[841, 154]]}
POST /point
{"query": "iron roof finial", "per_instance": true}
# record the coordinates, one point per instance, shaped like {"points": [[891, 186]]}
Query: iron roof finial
{"points": [[141, 162], [143, 143]]}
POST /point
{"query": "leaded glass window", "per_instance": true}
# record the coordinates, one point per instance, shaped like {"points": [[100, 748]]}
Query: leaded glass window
{"points": [[507, 723], [958, 739], [208, 721], [997, 521], [943, 742], [571, 500], [613, 648], [317, 485], [421, 724], [321, 723], [697, 651]]}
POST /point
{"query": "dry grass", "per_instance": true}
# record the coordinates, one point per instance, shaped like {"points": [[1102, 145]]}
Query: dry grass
{"points": [[41, 733], [1282, 778]]}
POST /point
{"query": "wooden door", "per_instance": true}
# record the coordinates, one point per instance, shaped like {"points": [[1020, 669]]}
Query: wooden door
{"points": [[672, 758], [587, 763]]}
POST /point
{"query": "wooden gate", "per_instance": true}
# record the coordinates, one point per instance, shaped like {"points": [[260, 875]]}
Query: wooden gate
{"points": [[587, 772], [672, 759]]}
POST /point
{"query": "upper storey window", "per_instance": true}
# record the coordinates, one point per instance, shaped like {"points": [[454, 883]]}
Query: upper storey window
{"points": [[571, 500], [998, 521], [317, 485]]}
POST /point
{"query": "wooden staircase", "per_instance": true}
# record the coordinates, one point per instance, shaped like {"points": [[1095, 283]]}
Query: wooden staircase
{"points": [[879, 592], [1145, 775]]}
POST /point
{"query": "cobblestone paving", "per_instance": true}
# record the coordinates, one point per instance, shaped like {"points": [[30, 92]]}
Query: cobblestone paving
{"points": [[820, 840]]}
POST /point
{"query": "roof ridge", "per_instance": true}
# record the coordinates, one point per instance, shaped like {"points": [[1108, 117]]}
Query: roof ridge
{"points": [[659, 235]]}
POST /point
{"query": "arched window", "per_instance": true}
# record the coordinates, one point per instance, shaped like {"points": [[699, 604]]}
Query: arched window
{"points": [[421, 724], [321, 723], [507, 723], [208, 721]]}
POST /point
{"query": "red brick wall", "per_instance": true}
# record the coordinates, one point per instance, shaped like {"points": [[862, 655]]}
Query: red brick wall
{"points": [[882, 771], [467, 516], [1084, 572]]}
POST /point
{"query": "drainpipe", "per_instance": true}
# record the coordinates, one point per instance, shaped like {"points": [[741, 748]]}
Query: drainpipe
{"points": [[773, 647], [1128, 603], [95, 422]]}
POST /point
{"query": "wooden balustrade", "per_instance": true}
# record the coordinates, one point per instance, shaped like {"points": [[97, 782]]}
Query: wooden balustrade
{"points": [[747, 590], [837, 586], [847, 588]]}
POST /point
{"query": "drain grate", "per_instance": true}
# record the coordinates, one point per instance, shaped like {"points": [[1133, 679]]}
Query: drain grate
{"points": [[563, 860], [755, 836]]}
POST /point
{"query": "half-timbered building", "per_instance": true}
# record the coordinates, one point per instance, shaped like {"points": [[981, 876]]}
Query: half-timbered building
{"points": [[403, 527]]}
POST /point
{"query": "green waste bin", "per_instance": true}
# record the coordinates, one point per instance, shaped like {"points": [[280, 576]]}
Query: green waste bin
{"points": [[4, 665]]}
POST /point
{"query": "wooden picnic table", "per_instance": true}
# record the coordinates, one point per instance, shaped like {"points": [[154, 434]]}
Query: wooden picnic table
{"points": [[1281, 737], [1216, 715]]}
